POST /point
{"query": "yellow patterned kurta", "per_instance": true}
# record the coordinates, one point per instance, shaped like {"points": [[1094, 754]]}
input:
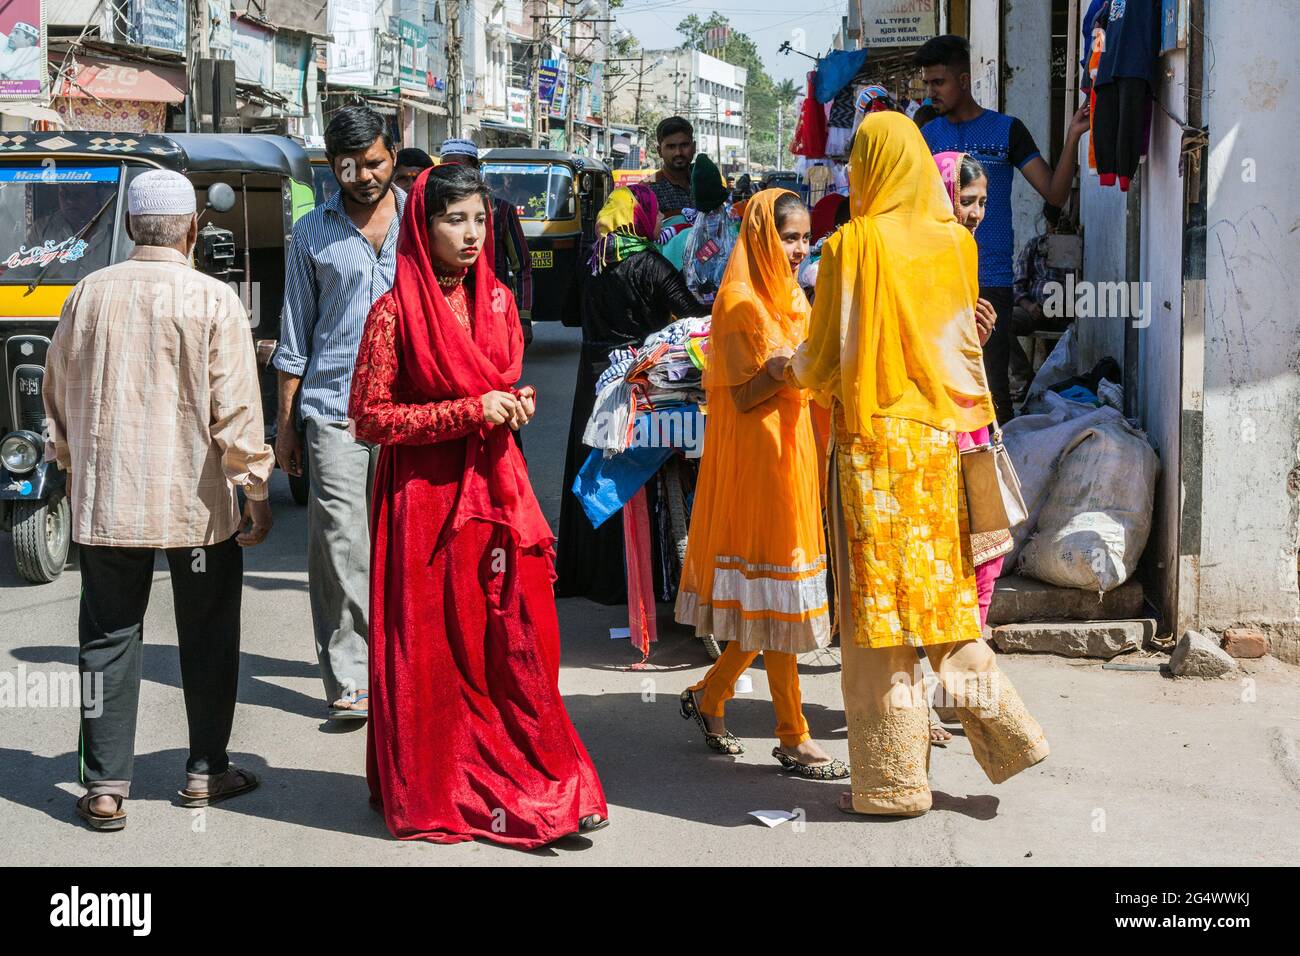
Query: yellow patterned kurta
{"points": [[911, 579]]}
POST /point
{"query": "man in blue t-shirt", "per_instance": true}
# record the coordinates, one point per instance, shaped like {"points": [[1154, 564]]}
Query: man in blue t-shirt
{"points": [[1000, 143]]}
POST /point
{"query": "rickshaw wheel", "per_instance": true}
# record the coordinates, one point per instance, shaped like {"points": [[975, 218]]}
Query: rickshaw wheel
{"points": [[42, 536], [298, 487]]}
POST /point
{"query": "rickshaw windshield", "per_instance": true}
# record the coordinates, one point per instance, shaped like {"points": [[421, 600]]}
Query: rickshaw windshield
{"points": [[324, 183], [42, 208], [536, 190]]}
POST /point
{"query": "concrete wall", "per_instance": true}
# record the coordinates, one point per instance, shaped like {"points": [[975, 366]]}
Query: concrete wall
{"points": [[1160, 328], [1026, 93], [1103, 213], [985, 42], [1252, 351]]}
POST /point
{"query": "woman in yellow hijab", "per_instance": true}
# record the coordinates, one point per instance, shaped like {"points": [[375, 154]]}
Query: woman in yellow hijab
{"points": [[893, 345], [755, 569]]}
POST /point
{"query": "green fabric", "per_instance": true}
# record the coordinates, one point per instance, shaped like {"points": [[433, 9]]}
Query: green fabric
{"points": [[707, 184]]}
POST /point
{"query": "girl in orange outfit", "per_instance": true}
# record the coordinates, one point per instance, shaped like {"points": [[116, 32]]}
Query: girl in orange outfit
{"points": [[755, 569]]}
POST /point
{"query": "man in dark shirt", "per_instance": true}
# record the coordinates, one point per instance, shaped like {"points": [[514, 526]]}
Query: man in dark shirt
{"points": [[672, 183], [1002, 144]]}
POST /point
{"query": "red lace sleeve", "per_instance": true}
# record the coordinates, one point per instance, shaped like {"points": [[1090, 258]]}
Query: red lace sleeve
{"points": [[380, 415]]}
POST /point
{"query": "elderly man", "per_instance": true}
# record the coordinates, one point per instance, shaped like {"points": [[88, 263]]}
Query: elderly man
{"points": [[342, 258], [154, 411]]}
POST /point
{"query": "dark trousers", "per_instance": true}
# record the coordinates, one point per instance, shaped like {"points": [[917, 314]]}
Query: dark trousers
{"points": [[207, 586], [997, 352]]}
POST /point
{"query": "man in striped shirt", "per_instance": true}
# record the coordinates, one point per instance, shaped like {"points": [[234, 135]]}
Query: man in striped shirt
{"points": [[342, 258]]}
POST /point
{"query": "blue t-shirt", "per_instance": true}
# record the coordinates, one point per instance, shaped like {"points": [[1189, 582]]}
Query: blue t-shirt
{"points": [[1132, 42], [1000, 142]]}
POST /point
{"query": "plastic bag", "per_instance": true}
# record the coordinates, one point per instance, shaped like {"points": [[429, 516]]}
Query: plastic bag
{"points": [[1097, 518], [707, 250]]}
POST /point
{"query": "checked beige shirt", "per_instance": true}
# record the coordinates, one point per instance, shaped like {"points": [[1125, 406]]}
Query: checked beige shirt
{"points": [[153, 405]]}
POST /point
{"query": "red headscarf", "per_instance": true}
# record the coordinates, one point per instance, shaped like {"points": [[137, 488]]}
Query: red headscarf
{"points": [[647, 210], [442, 362]]}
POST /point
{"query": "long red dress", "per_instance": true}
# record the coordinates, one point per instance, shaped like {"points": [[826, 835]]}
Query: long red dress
{"points": [[468, 736]]}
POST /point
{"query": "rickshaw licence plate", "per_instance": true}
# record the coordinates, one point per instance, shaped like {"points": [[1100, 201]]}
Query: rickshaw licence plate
{"points": [[542, 258]]}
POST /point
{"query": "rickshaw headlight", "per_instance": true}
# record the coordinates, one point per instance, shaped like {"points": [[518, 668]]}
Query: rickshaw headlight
{"points": [[19, 453]]}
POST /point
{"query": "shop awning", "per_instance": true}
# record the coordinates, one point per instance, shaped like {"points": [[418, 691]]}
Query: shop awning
{"points": [[108, 80], [32, 111], [424, 106]]}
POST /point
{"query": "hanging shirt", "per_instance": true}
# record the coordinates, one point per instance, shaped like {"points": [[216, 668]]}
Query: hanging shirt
{"points": [[1132, 42], [1002, 144]]}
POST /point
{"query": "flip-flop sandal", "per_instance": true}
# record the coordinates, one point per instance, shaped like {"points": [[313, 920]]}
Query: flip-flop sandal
{"points": [[204, 798], [834, 770], [726, 743], [352, 712], [939, 742], [592, 823], [101, 821]]}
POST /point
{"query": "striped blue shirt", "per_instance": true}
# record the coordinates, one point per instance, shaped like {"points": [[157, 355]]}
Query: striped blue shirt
{"points": [[332, 278]]}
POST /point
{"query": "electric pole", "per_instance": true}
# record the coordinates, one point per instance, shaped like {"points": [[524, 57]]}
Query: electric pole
{"points": [[456, 98]]}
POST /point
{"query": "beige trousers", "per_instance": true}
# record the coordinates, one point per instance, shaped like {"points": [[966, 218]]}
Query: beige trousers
{"points": [[887, 701]]}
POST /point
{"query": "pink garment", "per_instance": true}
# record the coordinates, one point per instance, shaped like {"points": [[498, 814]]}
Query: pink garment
{"points": [[640, 582], [986, 574]]}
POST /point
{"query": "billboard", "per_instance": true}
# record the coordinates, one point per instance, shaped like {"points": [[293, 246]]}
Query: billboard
{"points": [[23, 73], [351, 57], [157, 23]]}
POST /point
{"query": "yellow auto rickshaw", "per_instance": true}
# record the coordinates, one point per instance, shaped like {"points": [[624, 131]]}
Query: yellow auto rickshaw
{"points": [[557, 196]]}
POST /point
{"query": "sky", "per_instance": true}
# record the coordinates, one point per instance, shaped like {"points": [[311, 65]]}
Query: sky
{"points": [[768, 23]]}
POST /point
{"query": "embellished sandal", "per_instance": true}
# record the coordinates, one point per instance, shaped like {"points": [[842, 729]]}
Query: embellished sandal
{"points": [[834, 770], [591, 823], [723, 743], [101, 821]]}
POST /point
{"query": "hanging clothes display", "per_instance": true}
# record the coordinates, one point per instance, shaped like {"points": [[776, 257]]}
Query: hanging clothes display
{"points": [[810, 132], [1123, 90]]}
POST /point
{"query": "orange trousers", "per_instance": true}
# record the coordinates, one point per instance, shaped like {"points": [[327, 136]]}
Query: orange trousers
{"points": [[719, 686]]}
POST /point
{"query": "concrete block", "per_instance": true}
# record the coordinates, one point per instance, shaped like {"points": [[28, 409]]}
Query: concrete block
{"points": [[1017, 599], [1104, 639], [1245, 642], [1195, 655]]}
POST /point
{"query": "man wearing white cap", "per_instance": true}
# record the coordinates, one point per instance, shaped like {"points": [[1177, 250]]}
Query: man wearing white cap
{"points": [[154, 411], [512, 263], [20, 52]]}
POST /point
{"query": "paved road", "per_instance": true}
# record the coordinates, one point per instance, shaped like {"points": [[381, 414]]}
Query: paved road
{"points": [[1144, 770]]}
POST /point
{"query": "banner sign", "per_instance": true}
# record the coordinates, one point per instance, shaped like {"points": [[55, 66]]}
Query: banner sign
{"points": [[895, 23], [351, 56], [23, 74]]}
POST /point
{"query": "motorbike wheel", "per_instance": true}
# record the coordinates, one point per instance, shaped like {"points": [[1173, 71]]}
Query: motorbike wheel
{"points": [[42, 533]]}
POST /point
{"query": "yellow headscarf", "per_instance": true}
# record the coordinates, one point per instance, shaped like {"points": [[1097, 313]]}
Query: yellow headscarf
{"points": [[893, 325], [759, 307]]}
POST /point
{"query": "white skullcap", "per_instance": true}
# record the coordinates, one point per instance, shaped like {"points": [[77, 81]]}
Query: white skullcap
{"points": [[161, 192]]}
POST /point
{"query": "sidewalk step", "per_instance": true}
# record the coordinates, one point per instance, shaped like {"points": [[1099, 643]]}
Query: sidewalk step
{"points": [[1017, 599], [1104, 639]]}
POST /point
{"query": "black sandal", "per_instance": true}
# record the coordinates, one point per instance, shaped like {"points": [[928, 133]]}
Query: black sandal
{"points": [[104, 822], [723, 743], [835, 770]]}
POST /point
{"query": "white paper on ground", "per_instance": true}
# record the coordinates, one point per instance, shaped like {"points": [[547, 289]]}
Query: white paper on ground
{"points": [[619, 632], [744, 685], [771, 818]]}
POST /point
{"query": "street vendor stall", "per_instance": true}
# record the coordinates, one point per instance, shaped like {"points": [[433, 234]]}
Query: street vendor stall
{"points": [[648, 425]]}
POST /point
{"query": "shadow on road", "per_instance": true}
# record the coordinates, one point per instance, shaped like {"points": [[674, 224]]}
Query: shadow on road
{"points": [[162, 666]]}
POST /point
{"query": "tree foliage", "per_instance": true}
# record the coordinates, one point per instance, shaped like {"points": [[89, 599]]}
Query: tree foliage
{"points": [[762, 96]]}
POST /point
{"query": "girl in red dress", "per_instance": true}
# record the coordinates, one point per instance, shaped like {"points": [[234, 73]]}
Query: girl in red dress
{"points": [[468, 734]]}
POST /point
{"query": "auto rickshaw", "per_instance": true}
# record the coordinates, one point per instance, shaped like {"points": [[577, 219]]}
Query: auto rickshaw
{"points": [[558, 196], [62, 216]]}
